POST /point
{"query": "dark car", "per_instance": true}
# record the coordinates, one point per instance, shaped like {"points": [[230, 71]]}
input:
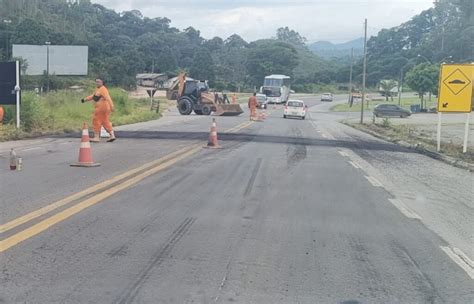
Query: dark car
{"points": [[384, 110], [262, 101]]}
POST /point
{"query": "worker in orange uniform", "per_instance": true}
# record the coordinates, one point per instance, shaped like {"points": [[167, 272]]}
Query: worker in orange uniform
{"points": [[103, 107], [2, 113], [234, 98], [253, 106]]}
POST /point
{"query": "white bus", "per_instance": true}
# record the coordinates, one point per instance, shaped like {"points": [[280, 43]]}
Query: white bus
{"points": [[276, 88]]}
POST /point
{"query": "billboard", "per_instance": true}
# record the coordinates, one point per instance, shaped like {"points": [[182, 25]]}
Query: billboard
{"points": [[9, 75], [63, 59]]}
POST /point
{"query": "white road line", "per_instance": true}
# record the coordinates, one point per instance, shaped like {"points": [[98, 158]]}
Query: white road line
{"points": [[355, 165], [404, 209], [461, 259], [373, 181], [343, 153], [324, 135], [30, 149]]}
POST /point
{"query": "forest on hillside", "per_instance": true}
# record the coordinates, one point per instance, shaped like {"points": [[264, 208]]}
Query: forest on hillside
{"points": [[122, 44]]}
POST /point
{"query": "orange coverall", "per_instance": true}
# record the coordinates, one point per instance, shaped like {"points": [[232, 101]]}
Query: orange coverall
{"points": [[102, 111], [234, 99], [2, 113], [253, 107]]}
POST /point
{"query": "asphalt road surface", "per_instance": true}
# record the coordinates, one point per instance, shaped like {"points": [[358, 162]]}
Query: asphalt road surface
{"points": [[288, 211]]}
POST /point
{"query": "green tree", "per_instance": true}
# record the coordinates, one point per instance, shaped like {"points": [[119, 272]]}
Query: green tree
{"points": [[423, 78], [203, 66], [387, 85], [270, 57], [166, 61], [290, 36]]}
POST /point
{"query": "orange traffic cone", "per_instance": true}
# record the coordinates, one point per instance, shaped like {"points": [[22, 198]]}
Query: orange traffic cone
{"points": [[212, 142], [85, 152]]}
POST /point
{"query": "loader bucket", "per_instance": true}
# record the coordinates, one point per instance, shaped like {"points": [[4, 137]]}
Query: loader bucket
{"points": [[228, 110]]}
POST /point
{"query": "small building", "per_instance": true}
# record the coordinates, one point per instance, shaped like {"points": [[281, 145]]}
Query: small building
{"points": [[151, 80]]}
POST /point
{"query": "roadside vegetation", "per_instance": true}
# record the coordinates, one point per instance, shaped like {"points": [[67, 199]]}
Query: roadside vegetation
{"points": [[62, 111], [412, 136], [405, 103]]}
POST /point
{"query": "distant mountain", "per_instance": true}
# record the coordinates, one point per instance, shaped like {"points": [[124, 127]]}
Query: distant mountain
{"points": [[328, 49]]}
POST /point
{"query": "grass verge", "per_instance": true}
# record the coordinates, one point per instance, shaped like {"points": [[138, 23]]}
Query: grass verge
{"points": [[62, 112], [410, 136]]}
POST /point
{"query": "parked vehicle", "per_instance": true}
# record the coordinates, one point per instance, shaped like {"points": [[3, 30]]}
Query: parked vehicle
{"points": [[386, 110], [295, 108], [327, 97]]}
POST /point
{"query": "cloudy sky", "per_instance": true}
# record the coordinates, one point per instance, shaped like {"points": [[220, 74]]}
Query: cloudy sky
{"points": [[332, 20]]}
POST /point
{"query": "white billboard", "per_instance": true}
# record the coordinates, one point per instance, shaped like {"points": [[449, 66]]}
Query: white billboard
{"points": [[63, 59]]}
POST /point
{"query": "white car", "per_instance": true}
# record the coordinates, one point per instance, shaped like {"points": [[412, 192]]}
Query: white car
{"points": [[295, 108], [326, 97]]}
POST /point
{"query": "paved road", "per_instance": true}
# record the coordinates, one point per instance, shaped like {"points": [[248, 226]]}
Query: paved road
{"points": [[289, 211]]}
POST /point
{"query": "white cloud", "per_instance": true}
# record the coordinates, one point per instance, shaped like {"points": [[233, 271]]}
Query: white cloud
{"points": [[333, 20]]}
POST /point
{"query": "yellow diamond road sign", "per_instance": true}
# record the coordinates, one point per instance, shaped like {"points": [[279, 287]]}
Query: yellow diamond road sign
{"points": [[456, 88]]}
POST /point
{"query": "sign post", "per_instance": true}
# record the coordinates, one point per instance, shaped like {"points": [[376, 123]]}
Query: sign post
{"points": [[10, 93], [438, 136], [151, 93], [455, 94], [466, 133], [17, 92]]}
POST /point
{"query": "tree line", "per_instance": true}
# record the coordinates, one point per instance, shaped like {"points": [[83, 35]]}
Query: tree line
{"points": [[124, 44]]}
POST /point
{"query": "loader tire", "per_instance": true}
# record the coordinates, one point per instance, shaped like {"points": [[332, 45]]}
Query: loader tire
{"points": [[185, 106], [206, 110]]}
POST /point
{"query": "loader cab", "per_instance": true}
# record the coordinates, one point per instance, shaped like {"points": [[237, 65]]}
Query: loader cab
{"points": [[194, 88]]}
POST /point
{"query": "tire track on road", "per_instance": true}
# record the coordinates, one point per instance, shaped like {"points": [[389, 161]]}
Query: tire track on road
{"points": [[157, 259], [251, 182]]}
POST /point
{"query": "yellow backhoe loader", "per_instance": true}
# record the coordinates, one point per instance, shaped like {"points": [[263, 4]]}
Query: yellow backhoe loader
{"points": [[194, 95]]}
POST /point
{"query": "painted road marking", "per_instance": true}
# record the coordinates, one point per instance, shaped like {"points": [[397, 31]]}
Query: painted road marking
{"points": [[42, 211], [343, 153], [404, 209], [65, 201], [355, 165], [30, 149], [324, 135], [373, 181], [461, 259], [65, 214], [239, 127]]}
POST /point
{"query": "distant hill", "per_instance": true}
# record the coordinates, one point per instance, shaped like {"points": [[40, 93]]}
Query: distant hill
{"points": [[328, 49]]}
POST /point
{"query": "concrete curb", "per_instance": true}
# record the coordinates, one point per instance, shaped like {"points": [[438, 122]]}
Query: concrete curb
{"points": [[433, 154]]}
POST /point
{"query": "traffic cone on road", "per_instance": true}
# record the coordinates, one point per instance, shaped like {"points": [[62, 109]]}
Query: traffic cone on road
{"points": [[212, 142], [85, 152]]}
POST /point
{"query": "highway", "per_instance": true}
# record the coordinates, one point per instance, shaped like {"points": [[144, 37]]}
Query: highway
{"points": [[288, 211]]}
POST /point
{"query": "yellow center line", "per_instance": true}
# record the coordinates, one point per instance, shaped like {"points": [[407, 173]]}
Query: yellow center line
{"points": [[65, 214], [42, 211], [125, 180], [58, 204]]}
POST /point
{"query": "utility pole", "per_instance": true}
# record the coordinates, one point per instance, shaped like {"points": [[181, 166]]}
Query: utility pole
{"points": [[400, 87], [364, 74], [350, 76], [7, 22], [153, 66], [48, 43]]}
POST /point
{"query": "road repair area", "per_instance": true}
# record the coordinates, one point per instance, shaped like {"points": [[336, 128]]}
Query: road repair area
{"points": [[285, 211]]}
